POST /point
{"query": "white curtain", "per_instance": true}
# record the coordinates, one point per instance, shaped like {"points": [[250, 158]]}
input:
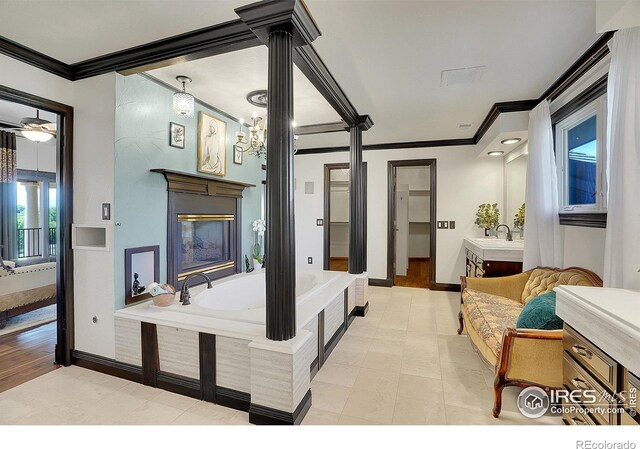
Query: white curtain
{"points": [[622, 247], [542, 242]]}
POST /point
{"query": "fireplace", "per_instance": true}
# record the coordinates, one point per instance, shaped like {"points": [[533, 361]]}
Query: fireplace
{"points": [[204, 227]]}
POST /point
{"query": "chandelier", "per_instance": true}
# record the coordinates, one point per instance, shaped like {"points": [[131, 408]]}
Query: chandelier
{"points": [[256, 142], [183, 102]]}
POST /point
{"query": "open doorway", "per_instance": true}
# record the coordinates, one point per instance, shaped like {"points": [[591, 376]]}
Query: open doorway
{"points": [[35, 264], [411, 251], [336, 215]]}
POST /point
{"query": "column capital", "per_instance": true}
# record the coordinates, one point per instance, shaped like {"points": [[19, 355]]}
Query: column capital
{"points": [[364, 122], [288, 15]]}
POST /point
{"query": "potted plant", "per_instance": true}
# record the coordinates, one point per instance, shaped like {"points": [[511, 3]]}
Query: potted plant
{"points": [[487, 217], [518, 219], [259, 227]]}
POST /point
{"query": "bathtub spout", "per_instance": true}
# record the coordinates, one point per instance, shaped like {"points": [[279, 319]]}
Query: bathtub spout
{"points": [[184, 291]]}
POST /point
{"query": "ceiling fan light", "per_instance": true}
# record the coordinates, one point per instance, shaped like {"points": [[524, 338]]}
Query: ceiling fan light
{"points": [[37, 136]]}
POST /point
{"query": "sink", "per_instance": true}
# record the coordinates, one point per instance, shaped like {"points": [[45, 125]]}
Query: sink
{"points": [[495, 249]]}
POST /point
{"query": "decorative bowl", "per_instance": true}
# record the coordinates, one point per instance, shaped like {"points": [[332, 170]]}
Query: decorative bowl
{"points": [[165, 299]]}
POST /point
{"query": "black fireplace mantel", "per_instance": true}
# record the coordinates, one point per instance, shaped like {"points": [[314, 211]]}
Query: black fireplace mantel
{"points": [[201, 185]]}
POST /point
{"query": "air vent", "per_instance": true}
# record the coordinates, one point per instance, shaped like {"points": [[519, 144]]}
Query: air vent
{"points": [[464, 126], [467, 75]]}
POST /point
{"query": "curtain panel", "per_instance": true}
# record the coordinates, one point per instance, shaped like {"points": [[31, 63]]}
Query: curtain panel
{"points": [[8, 199], [622, 244], [543, 242]]}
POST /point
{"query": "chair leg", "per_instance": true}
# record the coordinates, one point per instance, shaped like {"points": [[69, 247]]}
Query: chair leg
{"points": [[461, 320], [498, 386]]}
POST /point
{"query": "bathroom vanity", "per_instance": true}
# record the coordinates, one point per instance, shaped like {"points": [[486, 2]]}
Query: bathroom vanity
{"points": [[492, 257]]}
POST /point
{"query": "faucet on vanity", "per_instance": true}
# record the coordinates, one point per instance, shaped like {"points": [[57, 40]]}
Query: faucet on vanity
{"points": [[509, 236], [184, 291]]}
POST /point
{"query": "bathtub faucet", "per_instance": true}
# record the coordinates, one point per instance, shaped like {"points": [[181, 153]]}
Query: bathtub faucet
{"points": [[184, 291]]}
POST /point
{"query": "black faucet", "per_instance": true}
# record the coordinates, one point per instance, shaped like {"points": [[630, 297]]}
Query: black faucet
{"points": [[184, 291], [509, 236]]}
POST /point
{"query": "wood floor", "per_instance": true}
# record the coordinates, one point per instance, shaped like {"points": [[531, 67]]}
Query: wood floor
{"points": [[339, 264], [417, 274], [26, 355]]}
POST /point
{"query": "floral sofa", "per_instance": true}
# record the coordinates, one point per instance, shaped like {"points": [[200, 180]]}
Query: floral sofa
{"points": [[23, 289], [490, 307]]}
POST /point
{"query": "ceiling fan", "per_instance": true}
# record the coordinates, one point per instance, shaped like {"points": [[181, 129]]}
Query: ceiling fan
{"points": [[33, 128]]}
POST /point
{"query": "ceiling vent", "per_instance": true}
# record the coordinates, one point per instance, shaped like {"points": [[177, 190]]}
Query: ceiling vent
{"points": [[464, 126], [468, 75]]}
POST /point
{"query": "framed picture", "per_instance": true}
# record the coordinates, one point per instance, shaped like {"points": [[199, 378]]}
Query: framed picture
{"points": [[212, 145], [237, 155], [141, 268], [176, 135]]}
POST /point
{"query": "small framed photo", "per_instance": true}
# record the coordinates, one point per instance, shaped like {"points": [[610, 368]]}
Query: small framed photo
{"points": [[176, 135], [141, 268], [237, 155]]}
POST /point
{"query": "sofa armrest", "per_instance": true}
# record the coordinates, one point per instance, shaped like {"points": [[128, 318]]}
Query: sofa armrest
{"points": [[531, 355], [507, 286]]}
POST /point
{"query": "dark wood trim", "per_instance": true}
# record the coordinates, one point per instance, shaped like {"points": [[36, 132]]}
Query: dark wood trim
{"points": [[150, 354], [585, 97], [179, 385], [593, 220], [259, 414], [64, 183], [321, 355], [501, 108], [440, 286], [361, 310], [504, 362], [309, 62], [345, 298], [321, 128], [589, 59], [238, 400], [207, 351], [313, 369], [334, 340], [392, 146], [27, 55], [107, 366], [391, 212], [199, 184], [129, 298], [381, 282], [357, 201]]}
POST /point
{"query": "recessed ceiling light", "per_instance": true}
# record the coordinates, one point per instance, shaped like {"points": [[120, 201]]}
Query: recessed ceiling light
{"points": [[496, 153], [510, 141]]}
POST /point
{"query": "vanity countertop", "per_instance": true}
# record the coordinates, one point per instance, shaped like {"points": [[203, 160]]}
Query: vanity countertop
{"points": [[495, 249], [609, 317]]}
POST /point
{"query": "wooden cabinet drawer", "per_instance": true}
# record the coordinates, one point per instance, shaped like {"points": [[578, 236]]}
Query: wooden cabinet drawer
{"points": [[591, 358], [574, 415], [575, 378], [629, 391]]}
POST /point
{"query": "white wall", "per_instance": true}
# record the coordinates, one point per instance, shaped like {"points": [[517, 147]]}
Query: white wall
{"points": [[463, 182], [94, 103]]}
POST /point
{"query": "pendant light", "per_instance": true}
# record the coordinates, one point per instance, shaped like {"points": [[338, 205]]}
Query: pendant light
{"points": [[183, 102]]}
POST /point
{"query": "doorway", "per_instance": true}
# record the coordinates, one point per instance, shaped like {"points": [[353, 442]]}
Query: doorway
{"points": [[411, 257], [35, 225], [336, 216]]}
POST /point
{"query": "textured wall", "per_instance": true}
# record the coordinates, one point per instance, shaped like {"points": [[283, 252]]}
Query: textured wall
{"points": [[143, 112]]}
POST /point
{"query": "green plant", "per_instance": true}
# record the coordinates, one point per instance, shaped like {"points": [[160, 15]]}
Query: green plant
{"points": [[518, 219], [488, 216]]}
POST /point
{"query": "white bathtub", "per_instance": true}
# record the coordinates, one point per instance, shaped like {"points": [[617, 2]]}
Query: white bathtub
{"points": [[241, 297]]}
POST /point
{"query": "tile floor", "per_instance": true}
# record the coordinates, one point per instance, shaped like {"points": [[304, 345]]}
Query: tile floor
{"points": [[401, 364]]}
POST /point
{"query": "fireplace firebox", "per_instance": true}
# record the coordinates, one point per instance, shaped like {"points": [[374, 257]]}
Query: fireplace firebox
{"points": [[204, 233]]}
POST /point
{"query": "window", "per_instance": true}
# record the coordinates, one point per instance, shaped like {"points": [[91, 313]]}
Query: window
{"points": [[581, 159]]}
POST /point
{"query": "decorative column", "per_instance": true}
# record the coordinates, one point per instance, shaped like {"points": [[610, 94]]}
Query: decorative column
{"points": [[280, 234], [280, 381], [357, 214]]}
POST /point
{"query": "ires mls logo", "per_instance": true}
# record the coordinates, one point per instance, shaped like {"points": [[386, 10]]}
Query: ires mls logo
{"points": [[533, 402]]}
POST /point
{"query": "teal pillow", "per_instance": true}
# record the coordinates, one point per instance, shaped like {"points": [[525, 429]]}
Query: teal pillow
{"points": [[540, 313]]}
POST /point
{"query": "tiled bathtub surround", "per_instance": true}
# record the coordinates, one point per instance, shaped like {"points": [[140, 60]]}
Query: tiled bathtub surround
{"points": [[178, 351], [362, 289], [233, 364]]}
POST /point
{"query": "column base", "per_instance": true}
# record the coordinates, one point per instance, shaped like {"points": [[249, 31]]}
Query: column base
{"points": [[361, 310], [259, 414]]}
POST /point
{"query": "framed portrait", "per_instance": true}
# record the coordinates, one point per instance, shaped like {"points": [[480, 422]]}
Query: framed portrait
{"points": [[176, 135], [212, 145], [141, 268], [237, 155]]}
